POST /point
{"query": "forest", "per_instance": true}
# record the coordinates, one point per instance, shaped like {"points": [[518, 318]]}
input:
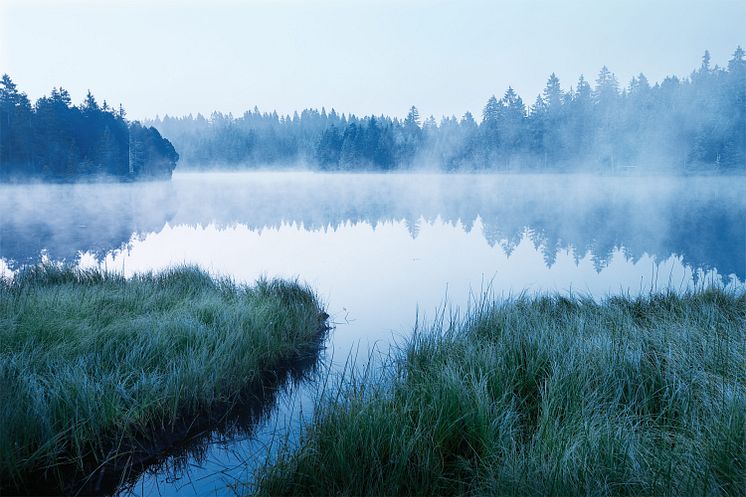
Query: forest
{"points": [[54, 140], [691, 124]]}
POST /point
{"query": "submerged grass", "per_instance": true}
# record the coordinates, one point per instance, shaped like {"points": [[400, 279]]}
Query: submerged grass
{"points": [[540, 396], [91, 362]]}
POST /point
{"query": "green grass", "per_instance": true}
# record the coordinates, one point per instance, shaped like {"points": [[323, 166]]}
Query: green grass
{"points": [[91, 362], [540, 396]]}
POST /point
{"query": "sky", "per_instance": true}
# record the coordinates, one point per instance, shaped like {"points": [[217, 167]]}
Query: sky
{"points": [[161, 57]]}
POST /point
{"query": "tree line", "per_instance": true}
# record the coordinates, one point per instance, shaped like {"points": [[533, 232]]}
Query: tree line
{"points": [[58, 141], [680, 124]]}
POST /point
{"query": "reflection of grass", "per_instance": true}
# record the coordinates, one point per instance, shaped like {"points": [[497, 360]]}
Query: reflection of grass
{"points": [[92, 362], [541, 396]]}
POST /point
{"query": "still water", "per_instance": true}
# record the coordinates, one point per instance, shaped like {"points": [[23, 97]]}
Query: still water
{"points": [[382, 251]]}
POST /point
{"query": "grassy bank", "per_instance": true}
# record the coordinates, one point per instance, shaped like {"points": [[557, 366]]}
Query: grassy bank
{"points": [[541, 396], [93, 365]]}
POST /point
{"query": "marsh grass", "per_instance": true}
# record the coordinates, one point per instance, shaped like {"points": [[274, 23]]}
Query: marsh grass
{"points": [[94, 366], [545, 395]]}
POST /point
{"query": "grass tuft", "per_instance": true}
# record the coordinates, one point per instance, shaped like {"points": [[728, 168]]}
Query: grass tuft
{"points": [[92, 363], [547, 395]]}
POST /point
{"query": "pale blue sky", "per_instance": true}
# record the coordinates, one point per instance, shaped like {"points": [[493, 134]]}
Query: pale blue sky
{"points": [[363, 56]]}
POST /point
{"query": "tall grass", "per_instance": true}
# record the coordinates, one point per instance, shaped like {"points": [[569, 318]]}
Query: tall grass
{"points": [[545, 395], [92, 363]]}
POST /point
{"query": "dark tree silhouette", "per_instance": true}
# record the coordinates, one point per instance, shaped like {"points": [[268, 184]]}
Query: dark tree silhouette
{"points": [[55, 140]]}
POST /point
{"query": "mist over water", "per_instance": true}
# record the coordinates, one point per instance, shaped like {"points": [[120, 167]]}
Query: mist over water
{"points": [[384, 250], [378, 247], [700, 219]]}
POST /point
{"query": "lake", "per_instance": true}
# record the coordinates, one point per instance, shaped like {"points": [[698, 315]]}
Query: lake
{"points": [[383, 252]]}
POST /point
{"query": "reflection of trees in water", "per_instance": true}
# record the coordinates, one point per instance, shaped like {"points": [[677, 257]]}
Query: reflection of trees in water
{"points": [[698, 220], [708, 234], [63, 220]]}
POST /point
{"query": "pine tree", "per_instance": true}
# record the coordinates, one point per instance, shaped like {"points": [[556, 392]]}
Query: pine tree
{"points": [[552, 94]]}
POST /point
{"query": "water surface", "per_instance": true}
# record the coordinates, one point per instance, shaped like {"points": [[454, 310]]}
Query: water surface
{"points": [[382, 251]]}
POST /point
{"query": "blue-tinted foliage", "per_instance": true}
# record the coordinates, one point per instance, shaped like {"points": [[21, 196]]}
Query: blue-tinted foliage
{"points": [[680, 124], [55, 140]]}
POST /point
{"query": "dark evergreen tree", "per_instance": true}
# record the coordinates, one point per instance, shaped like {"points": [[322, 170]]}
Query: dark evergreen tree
{"points": [[16, 131], [55, 140]]}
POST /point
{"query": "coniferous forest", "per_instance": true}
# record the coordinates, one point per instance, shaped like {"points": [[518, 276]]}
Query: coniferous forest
{"points": [[692, 124], [54, 140]]}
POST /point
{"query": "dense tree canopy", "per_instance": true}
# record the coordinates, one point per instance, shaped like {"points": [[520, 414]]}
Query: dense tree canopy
{"points": [[55, 140], [695, 123]]}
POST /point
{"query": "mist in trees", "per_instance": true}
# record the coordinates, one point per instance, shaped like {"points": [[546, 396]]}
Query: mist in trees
{"points": [[696, 123], [58, 141]]}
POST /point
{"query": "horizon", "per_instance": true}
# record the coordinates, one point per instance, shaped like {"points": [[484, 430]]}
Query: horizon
{"points": [[356, 58]]}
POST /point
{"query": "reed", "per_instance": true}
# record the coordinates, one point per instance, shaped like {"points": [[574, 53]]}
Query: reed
{"points": [[92, 363], [546, 395]]}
